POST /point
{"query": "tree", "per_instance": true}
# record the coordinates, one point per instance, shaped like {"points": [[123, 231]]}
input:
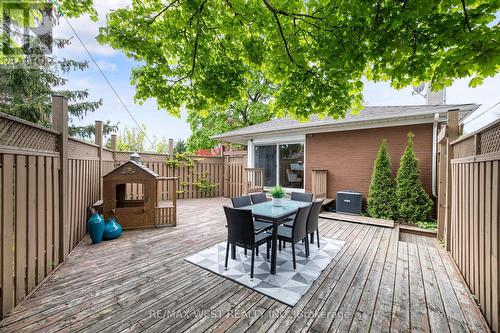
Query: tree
{"points": [[160, 145], [88, 131], [413, 203], [381, 201], [30, 75], [249, 109], [315, 53], [132, 139], [180, 147]]}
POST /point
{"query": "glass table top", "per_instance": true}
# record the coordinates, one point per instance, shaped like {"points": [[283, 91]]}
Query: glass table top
{"points": [[266, 209]]}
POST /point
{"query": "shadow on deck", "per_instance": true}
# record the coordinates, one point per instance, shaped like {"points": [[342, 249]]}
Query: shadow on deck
{"points": [[141, 282]]}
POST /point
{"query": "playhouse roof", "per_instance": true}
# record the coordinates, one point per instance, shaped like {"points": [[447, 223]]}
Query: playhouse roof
{"points": [[138, 165]]}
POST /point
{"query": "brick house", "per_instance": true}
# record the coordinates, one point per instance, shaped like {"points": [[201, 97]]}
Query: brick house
{"points": [[289, 150]]}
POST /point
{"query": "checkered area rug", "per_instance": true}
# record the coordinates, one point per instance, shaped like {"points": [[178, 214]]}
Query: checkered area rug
{"points": [[287, 286]]}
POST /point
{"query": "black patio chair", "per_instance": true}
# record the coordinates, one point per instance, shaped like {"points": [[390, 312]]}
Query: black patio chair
{"points": [[258, 198], [243, 201], [240, 232], [299, 196], [296, 233], [312, 223]]}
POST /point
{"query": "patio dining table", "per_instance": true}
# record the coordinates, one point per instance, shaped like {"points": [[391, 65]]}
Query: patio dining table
{"points": [[277, 215]]}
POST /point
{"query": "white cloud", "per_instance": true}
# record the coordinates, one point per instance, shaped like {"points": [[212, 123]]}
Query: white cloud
{"points": [[106, 66], [84, 83], [87, 30]]}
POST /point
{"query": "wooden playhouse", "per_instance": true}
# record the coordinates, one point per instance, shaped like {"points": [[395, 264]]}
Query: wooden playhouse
{"points": [[138, 197]]}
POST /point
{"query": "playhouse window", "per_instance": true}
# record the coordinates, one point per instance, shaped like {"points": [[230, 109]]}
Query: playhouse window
{"points": [[129, 195]]}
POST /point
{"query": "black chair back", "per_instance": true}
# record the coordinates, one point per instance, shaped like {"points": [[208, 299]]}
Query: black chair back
{"points": [[312, 220], [300, 223], [305, 197], [240, 228], [241, 201], [258, 198]]}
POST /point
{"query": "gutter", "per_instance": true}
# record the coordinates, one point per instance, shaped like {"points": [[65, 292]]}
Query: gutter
{"points": [[434, 154]]}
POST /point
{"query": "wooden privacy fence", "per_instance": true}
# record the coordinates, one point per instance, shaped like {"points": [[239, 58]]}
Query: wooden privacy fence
{"points": [[228, 174], [47, 181], [208, 168], [234, 165], [472, 225]]}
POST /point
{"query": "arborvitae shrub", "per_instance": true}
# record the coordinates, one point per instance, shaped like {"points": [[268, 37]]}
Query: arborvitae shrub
{"points": [[412, 202], [381, 199]]}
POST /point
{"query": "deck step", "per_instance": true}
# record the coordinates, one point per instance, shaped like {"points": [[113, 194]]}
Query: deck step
{"points": [[357, 219]]}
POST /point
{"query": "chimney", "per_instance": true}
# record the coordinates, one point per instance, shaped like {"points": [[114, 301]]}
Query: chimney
{"points": [[135, 157], [435, 98], [171, 147]]}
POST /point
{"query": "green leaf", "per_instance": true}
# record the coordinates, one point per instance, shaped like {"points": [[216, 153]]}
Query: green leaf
{"points": [[313, 54]]}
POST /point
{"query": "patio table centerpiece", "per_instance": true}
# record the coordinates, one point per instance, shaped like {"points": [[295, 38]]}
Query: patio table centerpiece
{"points": [[277, 193]]}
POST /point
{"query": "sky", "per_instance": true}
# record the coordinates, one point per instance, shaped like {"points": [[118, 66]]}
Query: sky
{"points": [[159, 123]]}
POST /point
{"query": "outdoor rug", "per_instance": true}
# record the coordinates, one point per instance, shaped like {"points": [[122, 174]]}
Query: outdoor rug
{"points": [[287, 286]]}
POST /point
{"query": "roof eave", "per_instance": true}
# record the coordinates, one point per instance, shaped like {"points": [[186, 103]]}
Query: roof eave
{"points": [[344, 125]]}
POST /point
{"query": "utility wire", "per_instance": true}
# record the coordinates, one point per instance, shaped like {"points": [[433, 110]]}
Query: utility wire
{"points": [[107, 80], [477, 116]]}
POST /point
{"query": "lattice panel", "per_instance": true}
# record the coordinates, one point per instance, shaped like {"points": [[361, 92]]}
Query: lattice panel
{"points": [[81, 149], [21, 134], [490, 140]]}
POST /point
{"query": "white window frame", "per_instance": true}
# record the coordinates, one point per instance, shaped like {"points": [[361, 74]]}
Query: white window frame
{"points": [[296, 139]]}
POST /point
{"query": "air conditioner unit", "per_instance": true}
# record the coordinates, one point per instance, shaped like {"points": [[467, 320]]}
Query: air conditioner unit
{"points": [[349, 202]]}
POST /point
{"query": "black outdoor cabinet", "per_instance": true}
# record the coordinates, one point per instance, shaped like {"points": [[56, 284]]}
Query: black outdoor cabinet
{"points": [[349, 202]]}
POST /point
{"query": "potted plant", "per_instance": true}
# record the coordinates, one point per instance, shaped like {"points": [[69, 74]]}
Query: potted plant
{"points": [[277, 193]]}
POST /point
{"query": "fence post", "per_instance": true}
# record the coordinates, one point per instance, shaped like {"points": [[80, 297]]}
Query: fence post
{"points": [[226, 176], [477, 144], [98, 141], [244, 165], [60, 124], [451, 134], [441, 199]]}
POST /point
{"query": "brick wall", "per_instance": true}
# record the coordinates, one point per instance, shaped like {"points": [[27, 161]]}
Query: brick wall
{"points": [[349, 156]]}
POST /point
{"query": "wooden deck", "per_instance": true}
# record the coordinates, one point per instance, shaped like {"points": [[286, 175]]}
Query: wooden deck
{"points": [[140, 282]]}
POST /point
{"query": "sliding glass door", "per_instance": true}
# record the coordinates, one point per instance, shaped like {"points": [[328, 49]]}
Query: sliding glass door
{"points": [[265, 158], [283, 164]]}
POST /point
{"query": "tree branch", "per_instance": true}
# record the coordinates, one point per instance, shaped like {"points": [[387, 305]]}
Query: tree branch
{"points": [[275, 14], [195, 50], [466, 15], [162, 11], [282, 12]]}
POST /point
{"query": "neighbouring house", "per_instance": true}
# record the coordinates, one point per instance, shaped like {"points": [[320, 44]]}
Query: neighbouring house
{"points": [[289, 150]]}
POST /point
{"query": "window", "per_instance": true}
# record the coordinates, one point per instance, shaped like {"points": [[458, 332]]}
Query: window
{"points": [[289, 172], [291, 157]]}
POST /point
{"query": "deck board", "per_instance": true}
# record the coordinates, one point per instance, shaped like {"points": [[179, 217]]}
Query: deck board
{"points": [[379, 281], [357, 219]]}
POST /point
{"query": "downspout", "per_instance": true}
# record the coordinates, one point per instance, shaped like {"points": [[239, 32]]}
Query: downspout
{"points": [[434, 154]]}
